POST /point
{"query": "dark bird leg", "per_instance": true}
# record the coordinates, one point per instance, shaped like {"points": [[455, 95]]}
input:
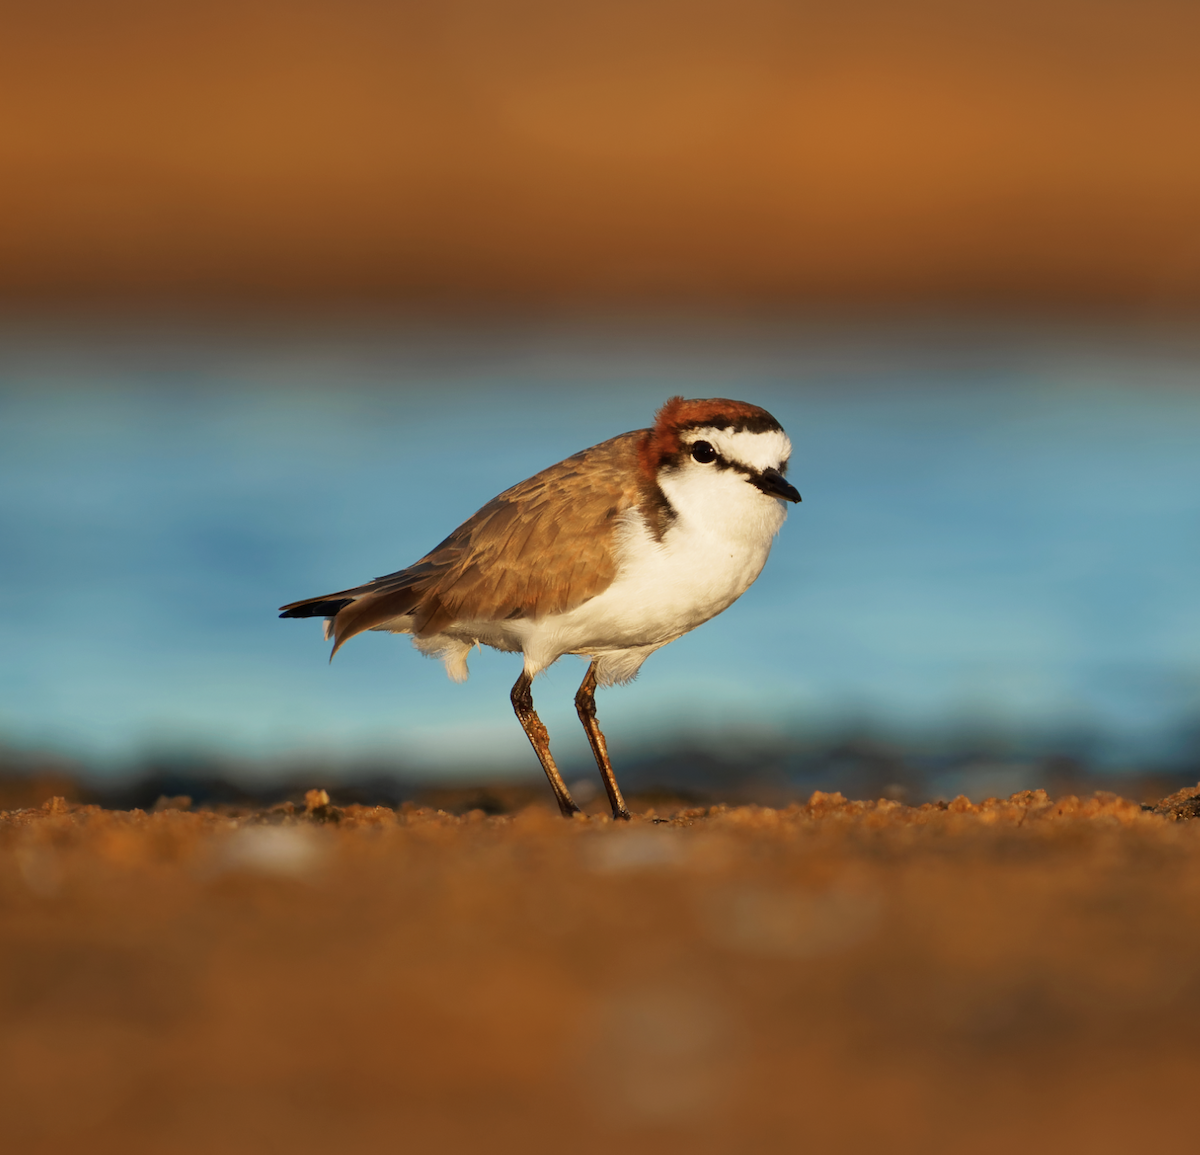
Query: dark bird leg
{"points": [[522, 700], [585, 707]]}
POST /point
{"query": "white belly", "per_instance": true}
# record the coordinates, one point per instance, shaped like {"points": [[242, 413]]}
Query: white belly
{"points": [[663, 589]]}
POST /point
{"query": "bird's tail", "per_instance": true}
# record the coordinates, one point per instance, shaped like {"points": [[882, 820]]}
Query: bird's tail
{"points": [[391, 602]]}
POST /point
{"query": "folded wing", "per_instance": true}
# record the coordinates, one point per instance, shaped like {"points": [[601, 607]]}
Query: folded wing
{"points": [[542, 547]]}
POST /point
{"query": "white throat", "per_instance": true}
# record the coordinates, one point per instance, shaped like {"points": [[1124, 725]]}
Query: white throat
{"points": [[722, 508]]}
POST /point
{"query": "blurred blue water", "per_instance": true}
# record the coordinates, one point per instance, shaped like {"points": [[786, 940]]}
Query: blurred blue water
{"points": [[1000, 530]]}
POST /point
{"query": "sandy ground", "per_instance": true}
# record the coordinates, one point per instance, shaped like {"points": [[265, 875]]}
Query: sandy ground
{"points": [[832, 977]]}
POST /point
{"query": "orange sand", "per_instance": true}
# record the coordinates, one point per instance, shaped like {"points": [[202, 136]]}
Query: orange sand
{"points": [[833, 977]]}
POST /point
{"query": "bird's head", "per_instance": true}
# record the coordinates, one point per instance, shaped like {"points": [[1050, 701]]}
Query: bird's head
{"points": [[718, 442]]}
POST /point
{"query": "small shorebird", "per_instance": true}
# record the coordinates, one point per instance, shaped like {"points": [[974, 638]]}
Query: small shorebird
{"points": [[610, 554]]}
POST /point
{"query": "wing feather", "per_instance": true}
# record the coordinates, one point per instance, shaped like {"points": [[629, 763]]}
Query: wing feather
{"points": [[542, 547]]}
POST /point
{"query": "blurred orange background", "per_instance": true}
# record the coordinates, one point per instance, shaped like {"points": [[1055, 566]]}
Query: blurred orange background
{"points": [[1026, 152]]}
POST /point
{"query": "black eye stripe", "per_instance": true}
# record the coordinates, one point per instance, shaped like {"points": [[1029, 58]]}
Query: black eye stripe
{"points": [[718, 461]]}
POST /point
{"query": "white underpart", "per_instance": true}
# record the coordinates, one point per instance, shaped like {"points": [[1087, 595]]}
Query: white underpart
{"points": [[712, 552]]}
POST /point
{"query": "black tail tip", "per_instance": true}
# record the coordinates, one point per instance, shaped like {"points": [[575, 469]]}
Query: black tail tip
{"points": [[326, 608]]}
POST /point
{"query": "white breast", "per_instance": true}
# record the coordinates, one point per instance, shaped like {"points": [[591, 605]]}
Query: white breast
{"points": [[712, 552]]}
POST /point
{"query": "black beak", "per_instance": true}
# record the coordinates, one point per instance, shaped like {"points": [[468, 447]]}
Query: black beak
{"points": [[774, 484]]}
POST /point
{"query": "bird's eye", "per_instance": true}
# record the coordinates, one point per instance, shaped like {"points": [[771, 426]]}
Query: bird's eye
{"points": [[703, 452]]}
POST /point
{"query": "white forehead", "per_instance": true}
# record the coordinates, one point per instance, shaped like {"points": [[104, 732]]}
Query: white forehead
{"points": [[766, 450]]}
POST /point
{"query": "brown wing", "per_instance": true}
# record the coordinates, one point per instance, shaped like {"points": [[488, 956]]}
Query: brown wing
{"points": [[542, 547]]}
